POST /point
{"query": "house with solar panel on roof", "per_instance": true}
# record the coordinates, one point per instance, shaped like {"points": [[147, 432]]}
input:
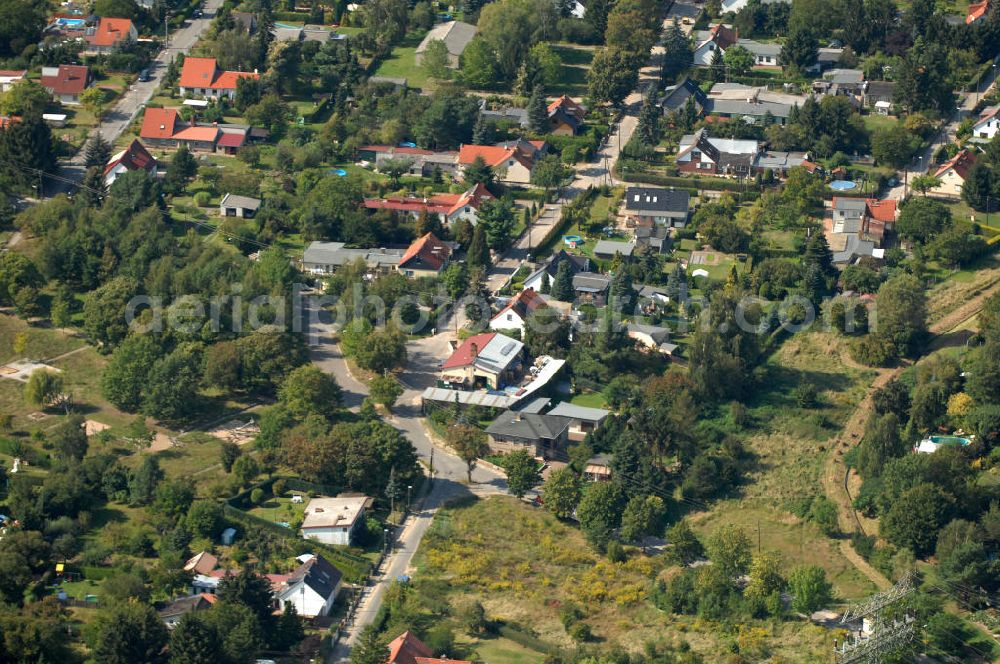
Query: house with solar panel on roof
{"points": [[489, 360]]}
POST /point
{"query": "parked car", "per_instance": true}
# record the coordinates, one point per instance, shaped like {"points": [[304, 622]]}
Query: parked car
{"points": [[145, 75]]}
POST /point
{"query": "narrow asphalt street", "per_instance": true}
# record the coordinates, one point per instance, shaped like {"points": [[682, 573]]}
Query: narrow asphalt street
{"points": [[117, 119]]}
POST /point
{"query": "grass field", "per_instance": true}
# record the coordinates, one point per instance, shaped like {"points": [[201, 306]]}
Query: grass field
{"points": [[575, 65], [590, 400], [402, 62]]}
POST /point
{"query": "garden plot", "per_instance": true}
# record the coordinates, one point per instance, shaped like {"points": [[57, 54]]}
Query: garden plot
{"points": [[21, 369]]}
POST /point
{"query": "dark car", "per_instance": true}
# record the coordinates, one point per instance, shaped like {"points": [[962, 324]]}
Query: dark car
{"points": [[144, 76]]}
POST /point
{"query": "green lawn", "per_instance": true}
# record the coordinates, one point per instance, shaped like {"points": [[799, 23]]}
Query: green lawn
{"points": [[590, 400], [402, 62], [281, 509], [575, 65]]}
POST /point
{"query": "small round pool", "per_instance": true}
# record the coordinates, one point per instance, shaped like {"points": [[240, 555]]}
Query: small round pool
{"points": [[932, 444], [843, 185], [339, 172], [572, 240]]}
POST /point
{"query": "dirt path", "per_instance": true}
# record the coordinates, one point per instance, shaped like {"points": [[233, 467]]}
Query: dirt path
{"points": [[838, 485]]}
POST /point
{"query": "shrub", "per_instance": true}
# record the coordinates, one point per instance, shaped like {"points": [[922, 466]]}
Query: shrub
{"points": [[805, 395], [202, 199], [278, 488], [580, 632], [257, 496]]}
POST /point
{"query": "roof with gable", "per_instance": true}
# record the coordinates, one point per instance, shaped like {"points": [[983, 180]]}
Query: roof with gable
{"points": [[524, 304], [676, 96], [318, 574], [188, 604], [490, 351], [429, 250], [134, 158], [977, 10], [456, 35], [551, 264], [205, 134], [988, 114], [158, 123], [569, 107], [723, 35], [528, 426], [110, 31], [408, 649], [961, 164], [493, 155], [232, 139], [202, 563], [205, 73], [69, 80], [657, 199]]}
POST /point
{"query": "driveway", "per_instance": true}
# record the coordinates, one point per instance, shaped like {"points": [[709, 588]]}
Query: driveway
{"points": [[117, 119]]}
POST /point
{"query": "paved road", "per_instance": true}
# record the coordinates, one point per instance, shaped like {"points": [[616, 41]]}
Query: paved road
{"points": [[119, 117]]}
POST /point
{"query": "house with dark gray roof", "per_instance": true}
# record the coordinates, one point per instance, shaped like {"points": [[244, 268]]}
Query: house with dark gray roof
{"points": [[311, 588], [657, 206], [591, 288], [608, 248], [328, 257], [504, 115], [750, 104], [582, 420], [876, 91], [540, 435], [675, 97], [551, 265]]}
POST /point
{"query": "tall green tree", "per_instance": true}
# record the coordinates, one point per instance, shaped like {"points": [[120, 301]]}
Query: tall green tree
{"points": [[600, 513], [522, 472], [130, 633], [800, 50], [562, 492], [538, 112]]}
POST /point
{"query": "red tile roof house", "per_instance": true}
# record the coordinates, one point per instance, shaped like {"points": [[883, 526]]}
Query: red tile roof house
{"points": [[408, 649], [163, 128], [868, 218], [109, 33], [201, 77], [8, 77], [66, 82], [977, 12], [426, 257], [952, 174], [511, 162], [424, 161], [565, 116], [451, 206], [133, 158], [516, 313], [490, 359]]}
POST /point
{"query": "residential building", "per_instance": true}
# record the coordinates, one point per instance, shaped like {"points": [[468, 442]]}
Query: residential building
{"points": [[582, 420], [675, 97], [551, 265], [489, 359], [233, 205], [518, 310], [201, 77], [327, 257], [334, 520], [718, 37], [988, 124], [765, 55], [878, 91], [201, 563], [109, 34], [952, 174], [868, 218], [591, 288], [504, 114], [512, 162], [312, 588], [606, 249], [426, 257], [598, 468], [657, 206], [8, 77], [456, 35], [133, 158], [66, 82], [657, 238], [977, 12], [826, 58], [652, 337], [542, 436], [701, 154], [172, 613], [750, 104], [408, 649], [316, 33], [779, 163], [451, 207], [163, 128], [423, 162], [565, 116], [845, 82], [853, 249]]}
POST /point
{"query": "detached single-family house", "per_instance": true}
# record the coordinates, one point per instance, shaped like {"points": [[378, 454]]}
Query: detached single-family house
{"points": [[550, 266], [66, 82], [518, 310], [701, 154], [312, 587], [591, 288], [765, 55], [652, 337], [491, 359], [718, 37], [172, 613], [952, 174], [540, 435], [988, 123], [8, 77], [977, 12], [657, 206], [451, 207], [408, 649], [598, 468], [233, 205], [750, 104], [868, 218], [512, 162], [422, 162], [426, 257], [110, 33], [606, 249], [582, 420], [510, 115], [675, 97], [201, 563], [334, 520], [201, 77], [878, 91], [456, 35], [565, 116], [133, 158], [327, 257]]}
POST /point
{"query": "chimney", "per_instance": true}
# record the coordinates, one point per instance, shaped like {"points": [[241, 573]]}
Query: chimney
{"points": [[475, 349]]}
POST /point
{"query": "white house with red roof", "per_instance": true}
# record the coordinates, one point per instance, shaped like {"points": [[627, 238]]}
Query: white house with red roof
{"points": [[201, 77], [165, 129], [451, 207], [515, 315], [426, 257], [952, 174], [109, 33], [489, 359], [512, 162], [8, 77], [133, 158], [408, 649], [66, 82], [988, 124]]}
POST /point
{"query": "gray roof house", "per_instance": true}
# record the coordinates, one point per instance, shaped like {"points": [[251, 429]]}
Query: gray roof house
{"points": [[456, 35], [652, 336], [551, 265], [591, 287], [876, 91], [657, 206], [764, 54], [541, 435], [856, 248], [233, 205], [327, 257], [582, 420], [675, 97], [608, 248], [751, 104]]}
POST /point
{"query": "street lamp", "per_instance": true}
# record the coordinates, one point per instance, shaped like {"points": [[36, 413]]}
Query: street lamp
{"points": [[408, 488], [385, 539]]}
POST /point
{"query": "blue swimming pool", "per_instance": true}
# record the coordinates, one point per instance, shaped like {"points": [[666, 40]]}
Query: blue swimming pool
{"points": [[70, 22], [843, 185], [339, 172]]}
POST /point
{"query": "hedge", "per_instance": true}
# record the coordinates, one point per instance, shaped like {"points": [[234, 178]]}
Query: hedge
{"points": [[744, 191], [295, 17]]}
